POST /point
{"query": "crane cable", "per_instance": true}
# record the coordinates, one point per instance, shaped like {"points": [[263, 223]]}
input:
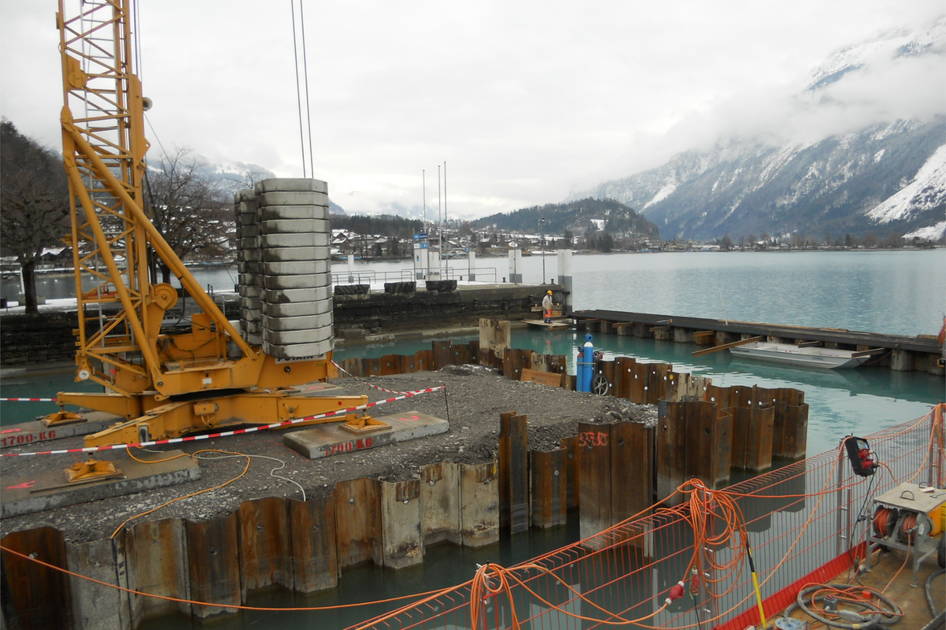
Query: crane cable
{"points": [[305, 79]]}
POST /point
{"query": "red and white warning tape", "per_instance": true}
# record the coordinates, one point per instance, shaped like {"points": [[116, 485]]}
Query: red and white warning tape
{"points": [[27, 400], [220, 434], [371, 385]]}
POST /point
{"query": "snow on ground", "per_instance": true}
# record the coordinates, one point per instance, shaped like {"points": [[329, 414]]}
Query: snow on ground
{"points": [[930, 232], [927, 190]]}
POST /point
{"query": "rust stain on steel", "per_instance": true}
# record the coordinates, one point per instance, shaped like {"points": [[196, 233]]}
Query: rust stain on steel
{"points": [[752, 437], [312, 532], [670, 449], [213, 562], [442, 355], [570, 445], [513, 472], [35, 597], [549, 487], [594, 469], [352, 366], [632, 472], [265, 552], [440, 502], [402, 539], [390, 364], [156, 561], [479, 504], [425, 360], [357, 522]]}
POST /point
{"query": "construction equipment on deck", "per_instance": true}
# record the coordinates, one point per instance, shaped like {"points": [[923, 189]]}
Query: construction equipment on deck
{"points": [[162, 384]]}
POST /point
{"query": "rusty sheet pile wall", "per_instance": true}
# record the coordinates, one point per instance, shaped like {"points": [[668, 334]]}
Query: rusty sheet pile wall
{"points": [[606, 471]]}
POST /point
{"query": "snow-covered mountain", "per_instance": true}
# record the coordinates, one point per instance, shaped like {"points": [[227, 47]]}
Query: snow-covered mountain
{"points": [[886, 176]]}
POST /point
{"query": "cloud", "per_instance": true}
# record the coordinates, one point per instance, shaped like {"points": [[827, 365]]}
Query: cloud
{"points": [[526, 101]]}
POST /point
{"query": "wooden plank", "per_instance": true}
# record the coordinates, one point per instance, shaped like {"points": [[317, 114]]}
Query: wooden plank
{"points": [[551, 379], [726, 346], [213, 563], [264, 551], [513, 473], [35, 597], [357, 522], [594, 470], [314, 555], [632, 469], [549, 487]]}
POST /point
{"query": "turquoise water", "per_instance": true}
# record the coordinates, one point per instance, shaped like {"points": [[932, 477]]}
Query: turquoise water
{"points": [[894, 292], [889, 292]]}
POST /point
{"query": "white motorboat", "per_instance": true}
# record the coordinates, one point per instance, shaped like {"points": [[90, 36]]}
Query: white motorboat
{"points": [[807, 356]]}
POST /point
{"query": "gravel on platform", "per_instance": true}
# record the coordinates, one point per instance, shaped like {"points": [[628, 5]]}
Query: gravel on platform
{"points": [[475, 396]]}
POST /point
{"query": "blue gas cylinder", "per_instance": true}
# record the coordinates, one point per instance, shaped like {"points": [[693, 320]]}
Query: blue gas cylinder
{"points": [[585, 366]]}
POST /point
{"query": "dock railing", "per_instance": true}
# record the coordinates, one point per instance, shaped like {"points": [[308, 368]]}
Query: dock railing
{"points": [[802, 522]]}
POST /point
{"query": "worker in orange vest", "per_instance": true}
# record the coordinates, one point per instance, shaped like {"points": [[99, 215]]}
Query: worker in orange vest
{"points": [[547, 307]]}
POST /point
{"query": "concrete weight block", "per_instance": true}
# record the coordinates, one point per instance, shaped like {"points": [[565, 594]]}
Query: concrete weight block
{"points": [[292, 296], [298, 281], [249, 242], [304, 322], [286, 337], [317, 211], [287, 254], [245, 266], [251, 292], [299, 239], [249, 255], [295, 267], [297, 310], [245, 194], [288, 198], [298, 350], [247, 231], [292, 226], [283, 184]]}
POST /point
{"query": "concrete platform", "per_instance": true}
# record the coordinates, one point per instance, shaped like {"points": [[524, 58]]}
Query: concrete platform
{"points": [[330, 439], [51, 490], [25, 433]]}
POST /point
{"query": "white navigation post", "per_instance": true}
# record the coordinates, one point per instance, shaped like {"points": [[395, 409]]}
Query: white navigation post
{"points": [[565, 278], [515, 263]]}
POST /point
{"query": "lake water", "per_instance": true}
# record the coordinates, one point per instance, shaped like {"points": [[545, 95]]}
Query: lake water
{"points": [[894, 292], [901, 292]]}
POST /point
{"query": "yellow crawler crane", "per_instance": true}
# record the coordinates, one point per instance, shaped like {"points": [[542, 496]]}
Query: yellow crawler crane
{"points": [[163, 385]]}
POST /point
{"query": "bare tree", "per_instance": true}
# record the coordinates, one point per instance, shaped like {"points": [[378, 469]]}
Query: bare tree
{"points": [[34, 203], [188, 208]]}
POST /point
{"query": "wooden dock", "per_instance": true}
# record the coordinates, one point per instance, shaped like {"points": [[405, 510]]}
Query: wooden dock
{"points": [[921, 353], [555, 324]]}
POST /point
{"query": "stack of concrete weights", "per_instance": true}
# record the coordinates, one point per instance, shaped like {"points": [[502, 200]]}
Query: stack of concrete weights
{"points": [[250, 268], [294, 239]]}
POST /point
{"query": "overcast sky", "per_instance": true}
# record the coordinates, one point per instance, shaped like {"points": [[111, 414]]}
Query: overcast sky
{"points": [[526, 101]]}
